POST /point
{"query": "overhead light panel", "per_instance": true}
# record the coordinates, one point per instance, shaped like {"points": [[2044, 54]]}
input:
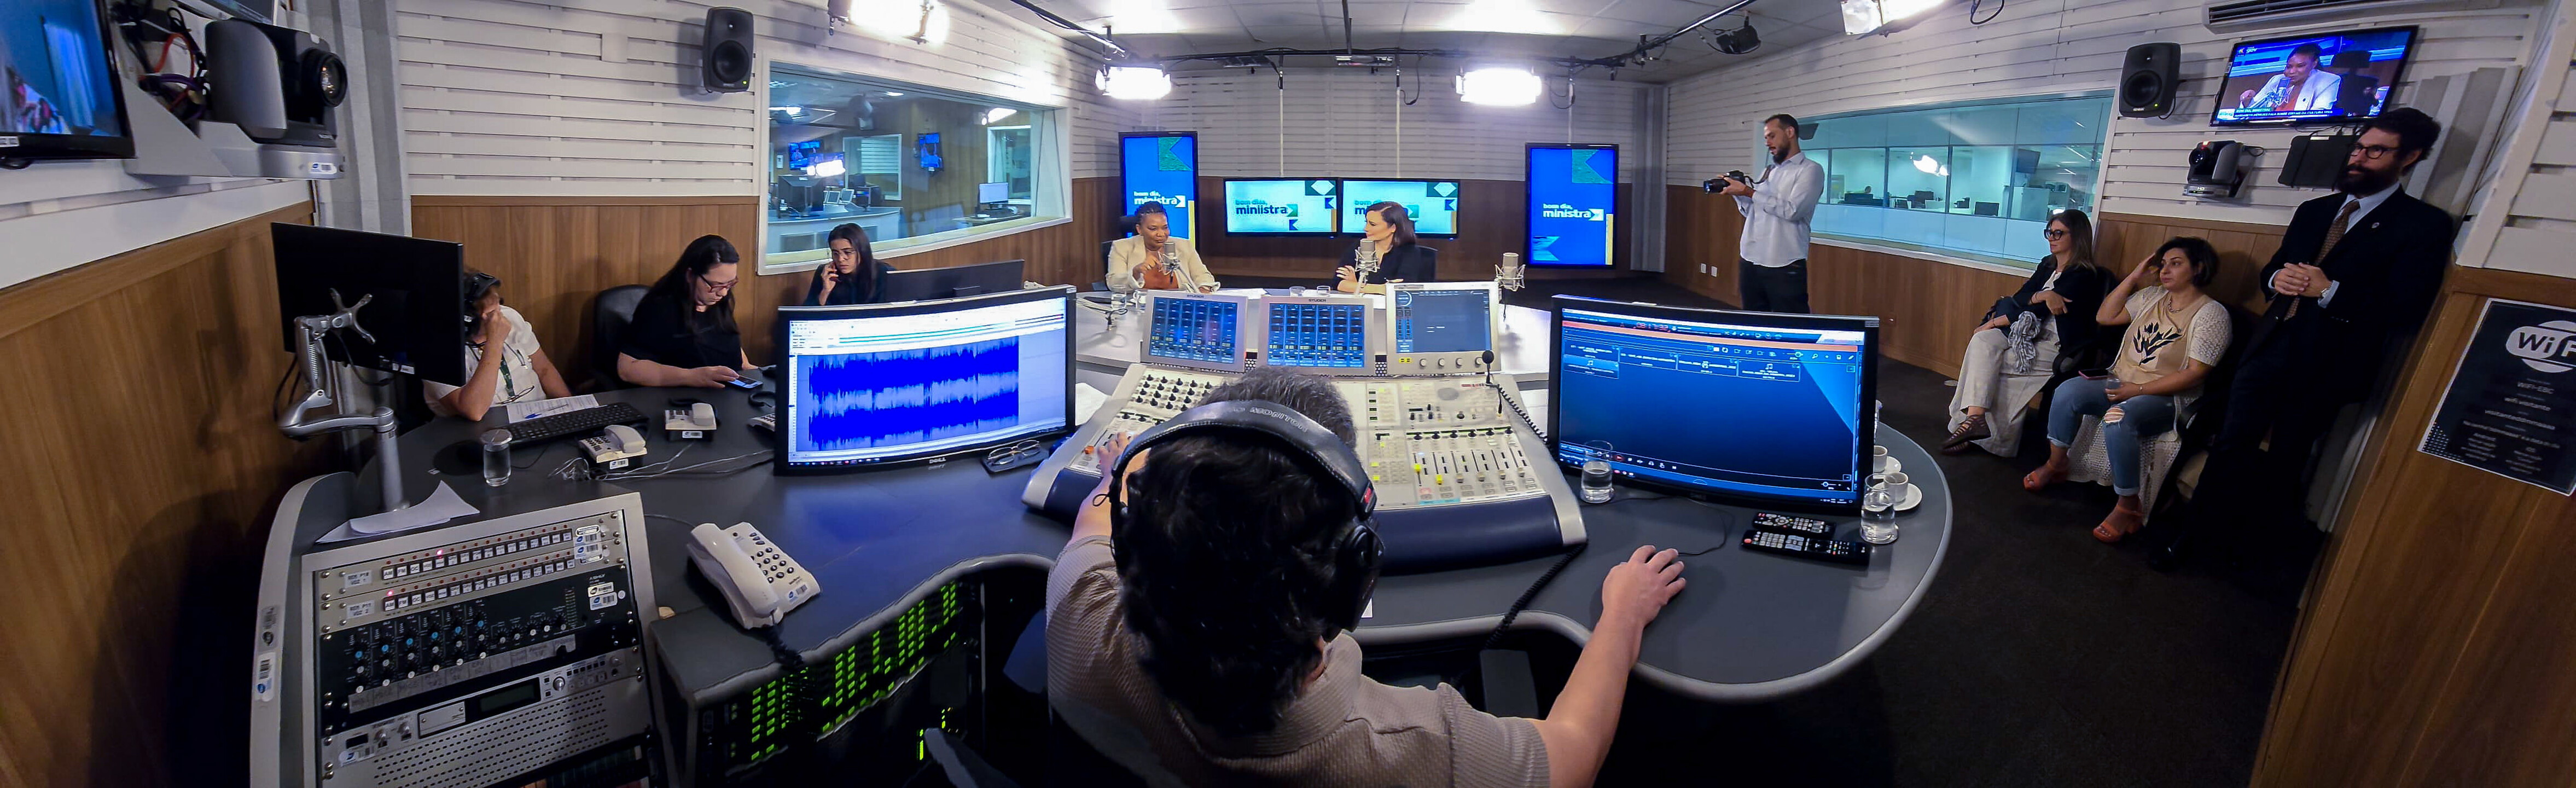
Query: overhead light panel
{"points": [[829, 168], [1863, 16], [1499, 85], [1504, 16], [1135, 82], [997, 114]]}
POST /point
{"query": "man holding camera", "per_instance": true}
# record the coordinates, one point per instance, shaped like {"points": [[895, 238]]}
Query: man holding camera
{"points": [[1772, 273]]}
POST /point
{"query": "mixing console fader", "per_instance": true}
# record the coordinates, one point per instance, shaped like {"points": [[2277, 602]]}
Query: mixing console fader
{"points": [[1461, 478]]}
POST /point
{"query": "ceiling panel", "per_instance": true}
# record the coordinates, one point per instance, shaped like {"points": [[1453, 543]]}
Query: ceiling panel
{"points": [[1563, 28]]}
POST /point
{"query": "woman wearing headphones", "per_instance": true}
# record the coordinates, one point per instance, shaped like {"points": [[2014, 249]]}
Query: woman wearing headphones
{"points": [[501, 352], [1388, 236]]}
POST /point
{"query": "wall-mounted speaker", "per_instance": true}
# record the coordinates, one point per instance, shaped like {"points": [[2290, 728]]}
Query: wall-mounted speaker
{"points": [[724, 57], [2149, 79]]}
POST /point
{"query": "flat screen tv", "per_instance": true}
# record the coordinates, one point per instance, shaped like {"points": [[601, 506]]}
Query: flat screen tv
{"points": [[2334, 77], [59, 97], [1432, 204], [1282, 206], [1573, 205]]}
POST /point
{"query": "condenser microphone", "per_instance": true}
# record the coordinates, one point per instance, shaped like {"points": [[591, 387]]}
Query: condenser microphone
{"points": [[1511, 274]]}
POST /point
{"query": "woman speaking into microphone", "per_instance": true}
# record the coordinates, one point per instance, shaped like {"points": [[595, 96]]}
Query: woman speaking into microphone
{"points": [[1388, 252]]}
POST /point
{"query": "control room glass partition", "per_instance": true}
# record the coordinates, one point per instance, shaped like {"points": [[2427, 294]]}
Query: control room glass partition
{"points": [[1976, 180], [908, 164]]}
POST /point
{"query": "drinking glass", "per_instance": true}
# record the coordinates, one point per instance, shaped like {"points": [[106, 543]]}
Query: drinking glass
{"points": [[1596, 481]]}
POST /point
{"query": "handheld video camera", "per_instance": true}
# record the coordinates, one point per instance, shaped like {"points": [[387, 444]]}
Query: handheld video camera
{"points": [[1714, 185]]}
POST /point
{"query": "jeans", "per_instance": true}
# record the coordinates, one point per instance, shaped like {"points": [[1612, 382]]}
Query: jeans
{"points": [[2139, 417], [1769, 289]]}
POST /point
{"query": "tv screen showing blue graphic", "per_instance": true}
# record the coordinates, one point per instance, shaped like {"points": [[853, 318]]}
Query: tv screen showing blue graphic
{"points": [[1441, 320], [1573, 204], [2328, 78], [1301, 206], [1198, 332], [1164, 168], [1756, 407], [1432, 204], [1327, 337], [873, 385]]}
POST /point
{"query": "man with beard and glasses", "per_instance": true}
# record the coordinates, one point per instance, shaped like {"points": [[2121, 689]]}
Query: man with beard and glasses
{"points": [[1772, 276], [2356, 270]]}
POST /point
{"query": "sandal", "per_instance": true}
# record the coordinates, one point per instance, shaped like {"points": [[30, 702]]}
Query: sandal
{"points": [[2122, 522], [2043, 477], [1973, 429]]}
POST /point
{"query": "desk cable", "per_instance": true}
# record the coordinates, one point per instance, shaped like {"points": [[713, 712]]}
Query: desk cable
{"points": [[1531, 593]]}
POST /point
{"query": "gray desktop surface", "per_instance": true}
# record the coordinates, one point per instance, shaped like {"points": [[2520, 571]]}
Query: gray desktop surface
{"points": [[1749, 626]]}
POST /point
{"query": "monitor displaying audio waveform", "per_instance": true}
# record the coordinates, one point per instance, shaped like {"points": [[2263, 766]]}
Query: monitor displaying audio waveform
{"points": [[887, 383]]}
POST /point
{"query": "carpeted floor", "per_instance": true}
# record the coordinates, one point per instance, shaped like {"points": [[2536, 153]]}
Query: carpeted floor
{"points": [[2039, 656]]}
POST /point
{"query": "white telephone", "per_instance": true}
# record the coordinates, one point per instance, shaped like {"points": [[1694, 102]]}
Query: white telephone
{"points": [[690, 424], [731, 557], [613, 449]]}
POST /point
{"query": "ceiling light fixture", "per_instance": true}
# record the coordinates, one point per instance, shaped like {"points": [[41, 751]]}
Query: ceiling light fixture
{"points": [[1931, 166], [1505, 86], [1142, 83], [1864, 16], [997, 114]]}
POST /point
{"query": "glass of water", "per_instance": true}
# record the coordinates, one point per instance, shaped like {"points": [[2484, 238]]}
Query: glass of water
{"points": [[1878, 512], [1596, 481], [496, 457]]}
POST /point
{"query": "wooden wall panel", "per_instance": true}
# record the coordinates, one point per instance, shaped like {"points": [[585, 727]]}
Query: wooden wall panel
{"points": [[2433, 649], [1493, 219], [554, 254], [1927, 307], [143, 468]]}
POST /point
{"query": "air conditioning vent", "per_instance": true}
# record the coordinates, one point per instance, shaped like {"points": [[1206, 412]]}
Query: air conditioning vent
{"points": [[2242, 14]]}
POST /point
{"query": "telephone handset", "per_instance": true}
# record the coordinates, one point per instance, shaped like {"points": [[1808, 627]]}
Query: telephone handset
{"points": [[757, 579], [613, 448]]}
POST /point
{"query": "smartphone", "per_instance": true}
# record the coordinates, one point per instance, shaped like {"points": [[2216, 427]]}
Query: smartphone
{"points": [[746, 384], [2096, 374]]}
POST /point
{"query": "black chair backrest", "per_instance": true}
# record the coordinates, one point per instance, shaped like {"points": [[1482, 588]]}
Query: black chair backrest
{"points": [[610, 313], [1431, 264], [1104, 254]]}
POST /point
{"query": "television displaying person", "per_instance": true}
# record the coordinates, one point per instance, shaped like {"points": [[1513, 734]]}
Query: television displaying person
{"points": [[2360, 91], [2299, 86]]}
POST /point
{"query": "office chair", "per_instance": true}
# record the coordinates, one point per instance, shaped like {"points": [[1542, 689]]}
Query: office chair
{"points": [[1104, 255], [2198, 424], [610, 313], [2357, 91], [1431, 260]]}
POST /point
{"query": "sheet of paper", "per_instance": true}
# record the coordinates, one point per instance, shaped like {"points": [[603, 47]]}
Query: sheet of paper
{"points": [[1086, 401], [442, 505], [523, 411]]}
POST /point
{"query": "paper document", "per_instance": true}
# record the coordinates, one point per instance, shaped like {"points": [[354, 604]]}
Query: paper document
{"points": [[443, 505], [1086, 401], [523, 411]]}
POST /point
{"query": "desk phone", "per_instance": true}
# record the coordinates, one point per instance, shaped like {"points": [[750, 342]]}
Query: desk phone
{"points": [[730, 558]]}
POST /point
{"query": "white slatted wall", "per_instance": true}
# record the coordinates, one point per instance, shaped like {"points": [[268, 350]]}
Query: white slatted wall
{"points": [[600, 97], [2538, 181], [2047, 46], [1343, 123]]}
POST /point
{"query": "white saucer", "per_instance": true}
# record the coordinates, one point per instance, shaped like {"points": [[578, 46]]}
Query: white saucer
{"points": [[1888, 465], [1913, 498]]}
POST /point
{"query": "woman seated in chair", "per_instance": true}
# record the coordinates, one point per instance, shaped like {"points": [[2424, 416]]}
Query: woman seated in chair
{"points": [[2176, 334], [684, 334], [2014, 353], [853, 274]]}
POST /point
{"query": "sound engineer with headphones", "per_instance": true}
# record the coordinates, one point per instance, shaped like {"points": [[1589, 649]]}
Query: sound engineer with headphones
{"points": [[501, 350], [1197, 623]]}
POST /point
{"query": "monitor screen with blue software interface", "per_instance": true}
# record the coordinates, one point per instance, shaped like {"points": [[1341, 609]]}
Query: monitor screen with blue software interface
{"points": [[876, 384], [1198, 331], [1327, 335], [1758, 407]]}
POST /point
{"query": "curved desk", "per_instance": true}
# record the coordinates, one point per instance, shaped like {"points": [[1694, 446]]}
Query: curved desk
{"points": [[1750, 626]]}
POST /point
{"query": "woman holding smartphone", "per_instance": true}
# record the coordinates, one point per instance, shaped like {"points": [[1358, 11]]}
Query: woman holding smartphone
{"points": [[2176, 334]]}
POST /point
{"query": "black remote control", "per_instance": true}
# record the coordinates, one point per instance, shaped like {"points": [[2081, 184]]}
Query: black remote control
{"points": [[1804, 525], [1804, 546]]}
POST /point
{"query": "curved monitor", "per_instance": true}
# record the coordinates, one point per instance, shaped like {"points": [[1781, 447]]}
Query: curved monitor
{"points": [[876, 384], [1756, 407]]}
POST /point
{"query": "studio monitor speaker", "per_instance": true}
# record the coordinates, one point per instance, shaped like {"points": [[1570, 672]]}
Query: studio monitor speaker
{"points": [[724, 58], [2148, 80]]}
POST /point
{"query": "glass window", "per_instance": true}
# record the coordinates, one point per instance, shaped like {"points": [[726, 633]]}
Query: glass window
{"points": [[1992, 171], [908, 164]]}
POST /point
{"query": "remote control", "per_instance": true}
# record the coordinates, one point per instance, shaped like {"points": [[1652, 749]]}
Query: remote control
{"points": [[1804, 525], [1803, 546]]}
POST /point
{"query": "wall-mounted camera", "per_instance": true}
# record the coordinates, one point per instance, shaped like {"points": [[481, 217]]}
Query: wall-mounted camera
{"points": [[2218, 168], [272, 94]]}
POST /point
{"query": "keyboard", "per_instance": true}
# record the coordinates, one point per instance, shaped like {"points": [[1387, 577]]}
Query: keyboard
{"points": [[571, 423]]}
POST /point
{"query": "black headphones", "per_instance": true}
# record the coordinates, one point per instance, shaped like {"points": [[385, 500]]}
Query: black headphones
{"points": [[477, 285], [1356, 551]]}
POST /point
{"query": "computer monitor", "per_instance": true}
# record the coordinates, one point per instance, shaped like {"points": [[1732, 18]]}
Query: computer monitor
{"points": [[876, 384], [1281, 206], [417, 316], [1199, 330], [989, 193], [924, 284], [1433, 205], [59, 93], [1760, 408], [1439, 328], [1324, 335]]}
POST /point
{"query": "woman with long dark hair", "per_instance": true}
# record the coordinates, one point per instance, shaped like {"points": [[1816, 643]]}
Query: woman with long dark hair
{"points": [[1388, 236], [853, 274], [684, 334], [2012, 355]]}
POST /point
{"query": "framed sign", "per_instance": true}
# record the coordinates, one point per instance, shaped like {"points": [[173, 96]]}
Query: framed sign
{"points": [[2510, 408]]}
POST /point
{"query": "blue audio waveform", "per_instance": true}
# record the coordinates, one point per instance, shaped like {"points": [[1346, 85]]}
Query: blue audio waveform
{"points": [[904, 397]]}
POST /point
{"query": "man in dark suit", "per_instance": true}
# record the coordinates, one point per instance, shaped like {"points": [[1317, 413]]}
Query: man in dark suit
{"points": [[2356, 270]]}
